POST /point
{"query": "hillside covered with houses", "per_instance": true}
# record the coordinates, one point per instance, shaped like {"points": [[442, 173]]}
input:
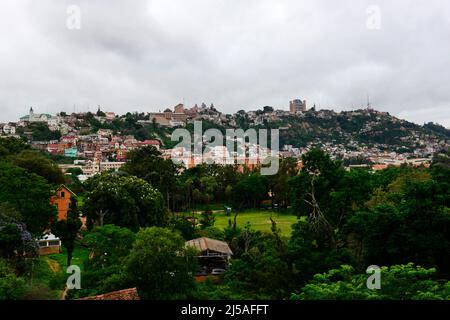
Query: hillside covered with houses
{"points": [[99, 141]]}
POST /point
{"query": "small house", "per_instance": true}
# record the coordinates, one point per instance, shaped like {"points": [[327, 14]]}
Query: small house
{"points": [[49, 244], [213, 255], [62, 201]]}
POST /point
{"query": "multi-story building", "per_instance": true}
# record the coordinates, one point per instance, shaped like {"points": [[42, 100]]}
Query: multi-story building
{"points": [[62, 201], [39, 117], [169, 118], [297, 106]]}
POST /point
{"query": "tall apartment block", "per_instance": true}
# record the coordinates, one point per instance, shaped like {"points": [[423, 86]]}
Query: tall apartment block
{"points": [[297, 106]]}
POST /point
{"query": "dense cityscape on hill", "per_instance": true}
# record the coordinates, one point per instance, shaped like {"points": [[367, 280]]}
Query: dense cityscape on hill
{"points": [[360, 137]]}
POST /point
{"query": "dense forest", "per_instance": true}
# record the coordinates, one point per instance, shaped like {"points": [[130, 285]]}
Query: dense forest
{"points": [[139, 218]]}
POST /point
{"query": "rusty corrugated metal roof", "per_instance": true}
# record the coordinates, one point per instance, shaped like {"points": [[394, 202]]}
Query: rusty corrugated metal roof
{"points": [[203, 244]]}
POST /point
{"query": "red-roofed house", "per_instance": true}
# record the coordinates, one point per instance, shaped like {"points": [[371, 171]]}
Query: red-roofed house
{"points": [[53, 148]]}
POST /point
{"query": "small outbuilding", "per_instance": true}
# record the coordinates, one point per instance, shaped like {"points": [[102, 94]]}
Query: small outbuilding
{"points": [[49, 244], [213, 255]]}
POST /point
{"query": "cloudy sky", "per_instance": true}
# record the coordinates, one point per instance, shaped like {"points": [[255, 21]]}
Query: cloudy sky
{"points": [[146, 55]]}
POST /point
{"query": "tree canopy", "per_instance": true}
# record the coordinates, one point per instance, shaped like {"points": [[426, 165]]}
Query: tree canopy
{"points": [[398, 282], [125, 201], [29, 194], [160, 265]]}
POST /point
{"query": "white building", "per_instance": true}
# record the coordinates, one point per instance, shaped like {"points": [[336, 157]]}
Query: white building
{"points": [[39, 117], [49, 244], [9, 129]]}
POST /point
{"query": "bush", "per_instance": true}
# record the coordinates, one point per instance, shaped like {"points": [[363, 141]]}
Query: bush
{"points": [[11, 286]]}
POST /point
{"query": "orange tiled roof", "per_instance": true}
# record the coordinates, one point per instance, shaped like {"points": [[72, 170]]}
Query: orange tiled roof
{"points": [[379, 167], [126, 294]]}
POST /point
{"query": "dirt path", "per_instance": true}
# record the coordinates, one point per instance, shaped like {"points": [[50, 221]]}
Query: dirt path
{"points": [[213, 211], [64, 293], [56, 268], [53, 265]]}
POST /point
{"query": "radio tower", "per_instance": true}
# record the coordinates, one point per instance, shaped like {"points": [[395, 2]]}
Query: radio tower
{"points": [[369, 106]]}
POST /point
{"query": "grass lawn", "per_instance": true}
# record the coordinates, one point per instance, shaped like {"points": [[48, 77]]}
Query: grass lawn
{"points": [[80, 200], [80, 254], [44, 275], [213, 206], [259, 220], [49, 275]]}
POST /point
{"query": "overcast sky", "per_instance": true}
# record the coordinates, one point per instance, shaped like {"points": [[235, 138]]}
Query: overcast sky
{"points": [[145, 55]]}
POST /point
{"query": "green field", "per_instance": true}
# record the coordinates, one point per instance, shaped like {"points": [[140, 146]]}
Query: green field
{"points": [[79, 256], [259, 220], [48, 275]]}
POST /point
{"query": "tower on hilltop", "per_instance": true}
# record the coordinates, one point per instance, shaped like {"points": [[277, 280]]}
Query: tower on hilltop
{"points": [[297, 106]]}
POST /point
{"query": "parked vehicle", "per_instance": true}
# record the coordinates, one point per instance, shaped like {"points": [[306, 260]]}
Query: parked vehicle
{"points": [[218, 271]]}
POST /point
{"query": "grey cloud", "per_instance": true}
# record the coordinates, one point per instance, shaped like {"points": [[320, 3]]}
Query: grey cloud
{"points": [[147, 55]]}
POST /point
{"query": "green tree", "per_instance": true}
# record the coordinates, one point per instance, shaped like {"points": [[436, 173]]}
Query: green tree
{"points": [[11, 286], [103, 271], [67, 230], [124, 201], [312, 192], [10, 146], [108, 244], [414, 227], [9, 214], [75, 171], [308, 254], [209, 186], [29, 194], [279, 183], [17, 244], [160, 265], [250, 191], [34, 162], [10, 241], [211, 232], [183, 226], [207, 219], [259, 269], [318, 179], [398, 282], [147, 163], [41, 132]]}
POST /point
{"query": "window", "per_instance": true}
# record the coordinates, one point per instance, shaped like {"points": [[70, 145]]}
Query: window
{"points": [[63, 194]]}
